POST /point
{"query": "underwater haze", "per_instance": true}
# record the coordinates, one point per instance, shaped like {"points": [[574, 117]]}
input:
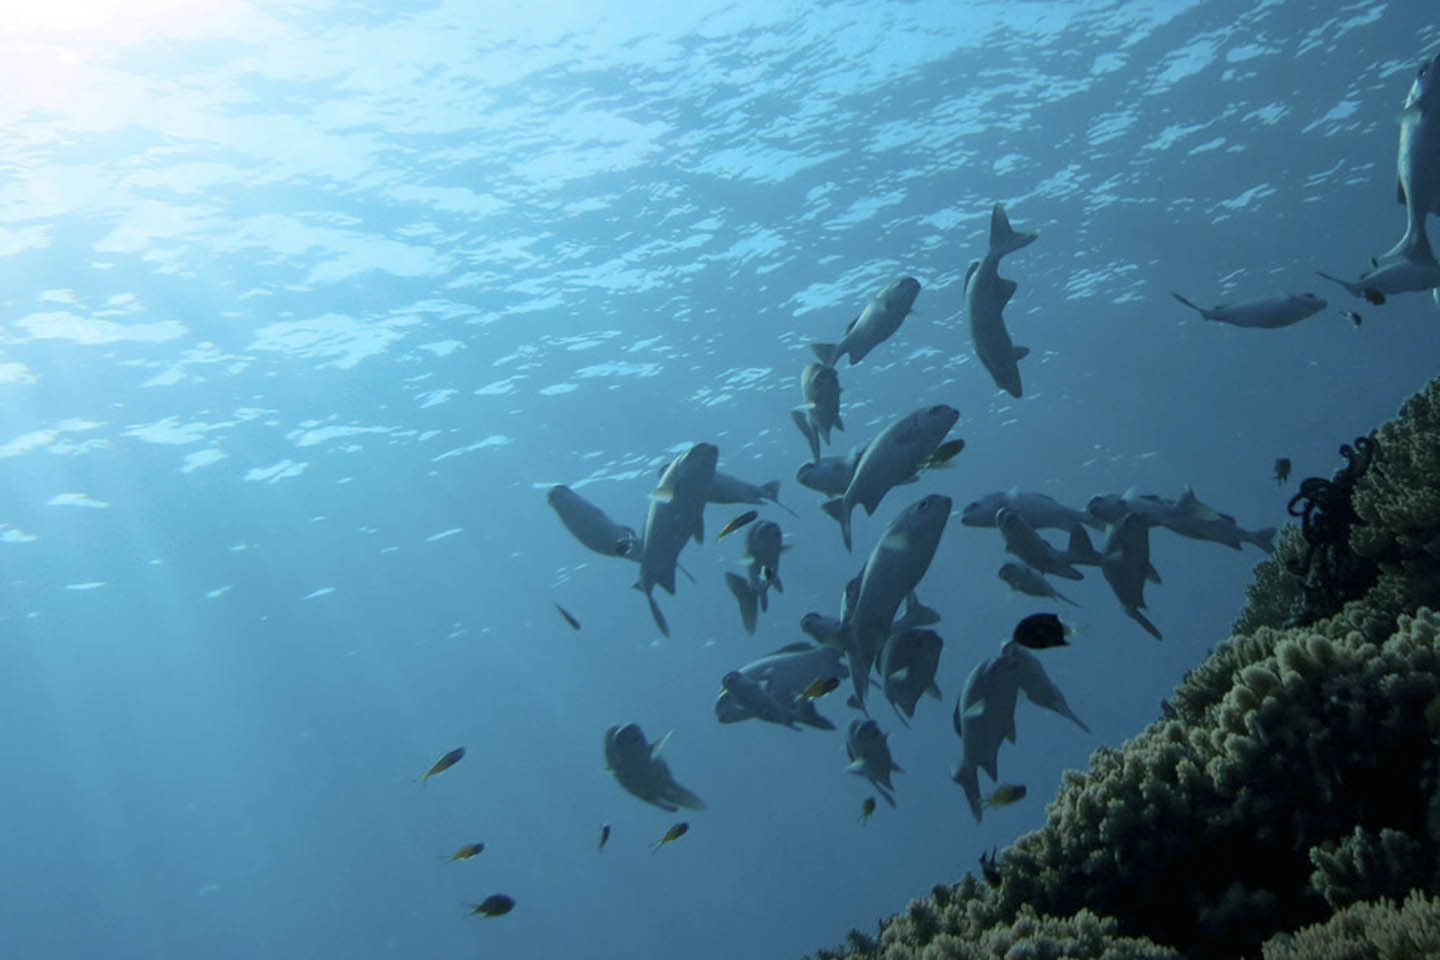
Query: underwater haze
{"points": [[307, 306]]}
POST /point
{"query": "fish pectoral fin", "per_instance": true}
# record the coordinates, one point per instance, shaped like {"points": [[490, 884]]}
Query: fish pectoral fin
{"points": [[1006, 288], [1021, 353], [896, 541], [662, 494], [658, 744]]}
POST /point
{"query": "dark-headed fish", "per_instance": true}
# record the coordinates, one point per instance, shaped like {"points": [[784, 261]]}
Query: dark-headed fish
{"points": [[671, 835], [575, 624], [467, 851], [604, 835], [495, 905], [989, 869], [1040, 631], [1282, 469], [819, 687], [444, 763], [737, 523], [1006, 795], [867, 808]]}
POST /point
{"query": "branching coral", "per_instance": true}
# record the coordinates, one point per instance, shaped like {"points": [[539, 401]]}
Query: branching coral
{"points": [[1375, 931], [1295, 771]]}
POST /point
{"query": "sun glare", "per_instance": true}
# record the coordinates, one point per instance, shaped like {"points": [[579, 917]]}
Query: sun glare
{"points": [[122, 21]]}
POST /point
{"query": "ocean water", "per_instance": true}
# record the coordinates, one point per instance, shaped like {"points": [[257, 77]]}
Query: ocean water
{"points": [[306, 307]]}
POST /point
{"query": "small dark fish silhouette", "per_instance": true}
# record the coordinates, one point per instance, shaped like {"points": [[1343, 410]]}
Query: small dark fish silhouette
{"points": [[671, 835], [738, 522], [467, 851], [989, 868], [1352, 316], [495, 905], [1040, 631], [444, 763], [604, 835], [1282, 469], [1374, 296], [867, 808], [568, 618]]}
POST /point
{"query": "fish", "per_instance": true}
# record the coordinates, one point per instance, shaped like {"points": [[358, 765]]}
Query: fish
{"points": [[671, 835], [990, 869], [1282, 469], [1041, 631], [725, 489], [870, 758], [569, 618], [1390, 277], [830, 475], [756, 700], [495, 905], [1031, 582], [984, 715], [1038, 509], [1022, 540], [443, 764], [890, 459], [763, 545], [748, 599], [943, 454], [908, 664], [604, 836], [1127, 555], [1006, 795], [986, 294], [895, 566], [784, 675], [1417, 163], [676, 514], [1185, 515], [820, 390], [466, 852], [880, 319], [591, 526], [738, 521], [867, 808], [1352, 316], [640, 770], [1270, 313], [819, 687]]}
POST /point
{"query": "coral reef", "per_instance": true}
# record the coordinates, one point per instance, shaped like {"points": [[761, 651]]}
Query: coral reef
{"points": [[1294, 772], [1373, 931]]}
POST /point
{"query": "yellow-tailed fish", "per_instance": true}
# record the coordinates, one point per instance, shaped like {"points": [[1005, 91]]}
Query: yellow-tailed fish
{"points": [[467, 851], [495, 905], [819, 687], [671, 835], [867, 808], [443, 764], [1007, 794], [737, 523], [943, 454]]}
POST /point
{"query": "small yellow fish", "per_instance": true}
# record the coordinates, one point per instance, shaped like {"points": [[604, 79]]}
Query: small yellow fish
{"points": [[495, 905], [671, 835], [568, 618], [604, 835], [942, 455], [867, 808], [737, 523], [467, 851], [1007, 794], [819, 687], [443, 764]]}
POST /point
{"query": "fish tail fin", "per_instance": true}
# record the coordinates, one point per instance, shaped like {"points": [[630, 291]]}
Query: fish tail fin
{"points": [[801, 418], [1264, 538], [835, 507], [1060, 596], [919, 614], [746, 597], [1003, 237], [659, 617], [1144, 621], [1081, 549], [770, 491], [827, 353], [969, 781]]}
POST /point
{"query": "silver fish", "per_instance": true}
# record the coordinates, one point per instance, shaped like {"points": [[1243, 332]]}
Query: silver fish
{"points": [[1267, 314], [590, 525], [986, 294], [881, 317], [676, 514], [1418, 163], [639, 769]]}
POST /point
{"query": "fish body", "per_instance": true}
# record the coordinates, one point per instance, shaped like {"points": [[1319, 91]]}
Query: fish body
{"points": [[1038, 510], [725, 489], [820, 390], [819, 687], [986, 294], [1418, 163], [671, 835], [1031, 582], [569, 617], [756, 701], [495, 905], [1022, 540], [1187, 515], [1282, 469], [867, 808], [1390, 277], [1041, 631], [1126, 559], [1006, 795], [869, 753], [591, 526], [604, 836], [830, 475], [890, 459], [676, 514], [895, 567], [467, 851], [1269, 313], [736, 523], [640, 770], [444, 763], [908, 665], [785, 675], [881, 317]]}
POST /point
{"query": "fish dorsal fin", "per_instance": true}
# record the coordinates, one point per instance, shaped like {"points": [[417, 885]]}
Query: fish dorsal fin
{"points": [[656, 747], [974, 265], [1006, 289]]}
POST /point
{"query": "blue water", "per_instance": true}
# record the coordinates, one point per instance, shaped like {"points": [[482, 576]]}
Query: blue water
{"points": [[305, 308]]}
